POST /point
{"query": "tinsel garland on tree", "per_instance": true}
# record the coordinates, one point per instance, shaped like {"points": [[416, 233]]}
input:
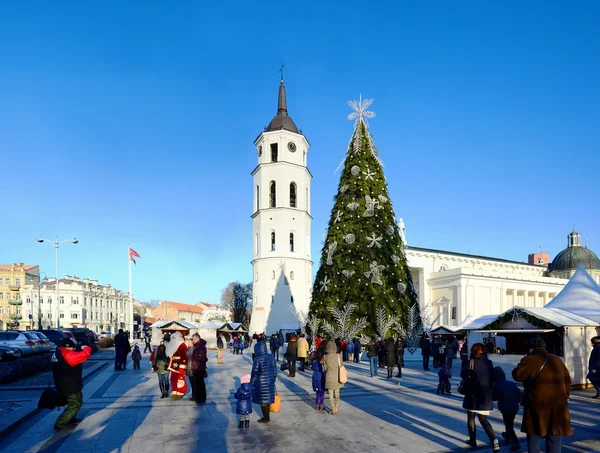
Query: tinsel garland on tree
{"points": [[363, 260]]}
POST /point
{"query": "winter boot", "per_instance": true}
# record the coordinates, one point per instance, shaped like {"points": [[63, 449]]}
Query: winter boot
{"points": [[241, 425], [265, 418], [247, 424]]}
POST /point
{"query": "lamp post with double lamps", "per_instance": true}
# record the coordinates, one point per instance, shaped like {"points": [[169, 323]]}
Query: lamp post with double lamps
{"points": [[57, 245]]}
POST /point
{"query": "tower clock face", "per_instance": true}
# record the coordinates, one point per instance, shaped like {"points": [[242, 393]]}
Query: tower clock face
{"points": [[260, 151], [292, 147]]}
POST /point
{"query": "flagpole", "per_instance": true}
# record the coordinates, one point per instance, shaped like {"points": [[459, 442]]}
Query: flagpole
{"points": [[130, 297]]}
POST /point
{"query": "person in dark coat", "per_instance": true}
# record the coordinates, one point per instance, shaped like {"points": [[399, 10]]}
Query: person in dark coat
{"points": [[357, 347], [547, 385], [318, 383], [264, 374], [373, 354], [67, 372], [390, 357], [451, 350], [382, 352], [243, 407], [291, 355], [199, 359], [425, 346], [121, 346], [399, 348], [478, 401], [508, 396], [594, 366]]}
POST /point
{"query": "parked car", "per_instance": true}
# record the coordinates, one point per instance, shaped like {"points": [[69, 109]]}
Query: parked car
{"points": [[84, 336], [105, 334], [20, 341], [55, 337], [41, 339], [70, 335], [8, 354]]}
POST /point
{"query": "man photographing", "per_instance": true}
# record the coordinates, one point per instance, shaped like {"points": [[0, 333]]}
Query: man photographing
{"points": [[67, 371]]}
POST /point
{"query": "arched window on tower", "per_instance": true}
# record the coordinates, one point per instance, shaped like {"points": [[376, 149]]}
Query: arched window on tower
{"points": [[292, 195], [272, 194], [257, 198], [272, 241], [291, 275], [274, 152], [291, 242]]}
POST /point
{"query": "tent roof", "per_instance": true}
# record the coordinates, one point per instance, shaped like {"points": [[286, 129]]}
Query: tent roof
{"points": [[580, 296], [212, 325], [163, 324], [443, 330], [480, 322]]}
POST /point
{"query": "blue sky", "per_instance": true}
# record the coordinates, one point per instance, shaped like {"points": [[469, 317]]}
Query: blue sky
{"points": [[133, 122]]}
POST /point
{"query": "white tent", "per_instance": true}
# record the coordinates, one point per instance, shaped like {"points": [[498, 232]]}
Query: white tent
{"points": [[580, 296], [159, 328]]}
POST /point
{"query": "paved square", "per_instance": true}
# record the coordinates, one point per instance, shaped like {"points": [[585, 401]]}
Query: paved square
{"points": [[123, 412]]}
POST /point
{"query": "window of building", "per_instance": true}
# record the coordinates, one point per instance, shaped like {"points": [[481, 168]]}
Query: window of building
{"points": [[291, 242], [74, 315], [292, 195], [18, 311], [257, 198], [272, 241], [62, 299], [62, 316], [292, 299], [272, 194], [17, 296], [273, 152], [1, 296], [453, 312], [49, 300], [17, 282], [28, 300], [1, 310], [7, 296], [291, 275], [7, 281], [273, 275]]}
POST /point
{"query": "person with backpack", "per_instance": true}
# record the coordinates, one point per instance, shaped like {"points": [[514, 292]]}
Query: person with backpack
{"points": [[67, 370]]}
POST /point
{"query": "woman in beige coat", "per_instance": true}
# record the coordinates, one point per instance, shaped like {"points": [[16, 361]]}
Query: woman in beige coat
{"points": [[331, 362]]}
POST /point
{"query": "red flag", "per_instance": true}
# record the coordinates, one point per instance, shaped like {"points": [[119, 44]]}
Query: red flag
{"points": [[132, 254]]}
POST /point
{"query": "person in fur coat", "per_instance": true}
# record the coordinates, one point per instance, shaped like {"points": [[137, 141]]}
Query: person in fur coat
{"points": [[177, 352]]}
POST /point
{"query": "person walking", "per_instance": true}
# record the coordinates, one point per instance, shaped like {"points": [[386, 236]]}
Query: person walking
{"points": [[478, 400], [594, 366], [390, 357], [199, 359], [220, 347], [318, 383], [274, 346], [136, 357], [508, 396], [357, 350], [291, 355], [350, 350], [121, 344], [302, 346], [425, 346], [236, 345], [263, 377], [67, 371], [331, 365], [382, 352], [243, 407], [451, 349], [399, 347], [147, 343], [373, 355], [547, 384], [159, 366], [188, 369], [177, 352]]}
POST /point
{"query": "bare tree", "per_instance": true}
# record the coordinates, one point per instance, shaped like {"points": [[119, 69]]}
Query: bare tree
{"points": [[237, 297]]}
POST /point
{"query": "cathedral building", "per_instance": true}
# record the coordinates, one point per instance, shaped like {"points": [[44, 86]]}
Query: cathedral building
{"points": [[281, 222]]}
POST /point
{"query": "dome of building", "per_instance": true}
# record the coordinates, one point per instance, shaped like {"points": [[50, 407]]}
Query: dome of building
{"points": [[574, 255]]}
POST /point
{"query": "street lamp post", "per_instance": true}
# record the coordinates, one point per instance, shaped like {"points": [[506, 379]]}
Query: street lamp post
{"points": [[40, 300], [57, 245]]}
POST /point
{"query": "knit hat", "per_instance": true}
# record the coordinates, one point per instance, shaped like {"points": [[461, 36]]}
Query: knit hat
{"points": [[535, 343], [67, 343], [245, 379], [596, 339]]}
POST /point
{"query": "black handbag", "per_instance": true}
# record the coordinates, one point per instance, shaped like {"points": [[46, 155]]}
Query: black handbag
{"points": [[50, 399], [467, 385]]}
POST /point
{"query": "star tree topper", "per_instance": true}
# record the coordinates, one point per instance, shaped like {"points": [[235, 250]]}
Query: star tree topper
{"points": [[360, 111]]}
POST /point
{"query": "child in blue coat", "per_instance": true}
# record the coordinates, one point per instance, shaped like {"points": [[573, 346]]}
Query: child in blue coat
{"points": [[244, 401], [508, 396], [318, 382], [444, 374]]}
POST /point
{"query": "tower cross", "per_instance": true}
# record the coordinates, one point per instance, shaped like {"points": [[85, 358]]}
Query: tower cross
{"points": [[281, 69]]}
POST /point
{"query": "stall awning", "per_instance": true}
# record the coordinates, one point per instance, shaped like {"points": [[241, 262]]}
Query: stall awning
{"points": [[501, 331]]}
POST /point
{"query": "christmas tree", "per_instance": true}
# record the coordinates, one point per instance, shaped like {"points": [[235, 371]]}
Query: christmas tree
{"points": [[363, 260]]}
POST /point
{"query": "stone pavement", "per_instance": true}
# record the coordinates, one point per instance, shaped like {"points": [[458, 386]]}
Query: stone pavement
{"points": [[123, 412]]}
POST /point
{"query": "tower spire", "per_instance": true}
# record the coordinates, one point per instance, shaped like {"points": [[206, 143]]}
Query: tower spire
{"points": [[281, 101]]}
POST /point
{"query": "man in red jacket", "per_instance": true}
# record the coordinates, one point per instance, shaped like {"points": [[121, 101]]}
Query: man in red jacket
{"points": [[67, 370]]}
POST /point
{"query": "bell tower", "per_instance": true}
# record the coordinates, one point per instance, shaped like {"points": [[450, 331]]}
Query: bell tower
{"points": [[281, 222]]}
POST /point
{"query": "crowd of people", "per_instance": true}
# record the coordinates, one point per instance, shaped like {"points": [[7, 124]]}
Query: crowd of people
{"points": [[177, 360]]}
